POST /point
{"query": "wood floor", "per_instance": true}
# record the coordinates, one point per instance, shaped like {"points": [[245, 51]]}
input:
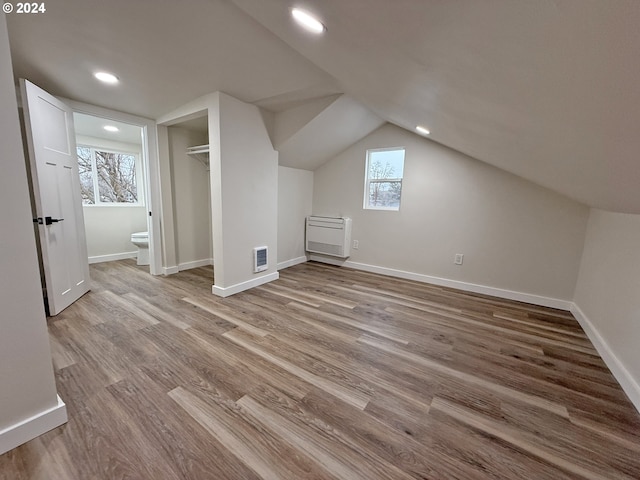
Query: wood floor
{"points": [[327, 373]]}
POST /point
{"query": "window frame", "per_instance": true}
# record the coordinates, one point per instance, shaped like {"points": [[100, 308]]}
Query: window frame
{"points": [[94, 176], [368, 181]]}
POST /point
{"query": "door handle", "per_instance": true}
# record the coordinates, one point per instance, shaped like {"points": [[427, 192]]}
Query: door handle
{"points": [[49, 220]]}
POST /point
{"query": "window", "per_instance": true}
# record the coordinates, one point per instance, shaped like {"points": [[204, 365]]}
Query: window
{"points": [[107, 177], [383, 178]]}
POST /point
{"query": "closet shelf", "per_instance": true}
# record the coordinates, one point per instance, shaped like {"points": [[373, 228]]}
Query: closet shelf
{"points": [[201, 153]]}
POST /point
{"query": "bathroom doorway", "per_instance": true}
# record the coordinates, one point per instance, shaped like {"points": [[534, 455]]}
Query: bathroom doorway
{"points": [[110, 165], [116, 166]]}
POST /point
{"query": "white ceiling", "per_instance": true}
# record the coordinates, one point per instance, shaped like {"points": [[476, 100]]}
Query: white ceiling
{"points": [[546, 89], [165, 54], [92, 126]]}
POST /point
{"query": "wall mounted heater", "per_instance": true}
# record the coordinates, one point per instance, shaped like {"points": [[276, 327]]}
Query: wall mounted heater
{"points": [[260, 259], [329, 235]]}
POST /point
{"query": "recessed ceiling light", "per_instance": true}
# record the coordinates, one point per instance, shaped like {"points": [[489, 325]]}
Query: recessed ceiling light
{"points": [[422, 130], [308, 21], [111, 128], [106, 77]]}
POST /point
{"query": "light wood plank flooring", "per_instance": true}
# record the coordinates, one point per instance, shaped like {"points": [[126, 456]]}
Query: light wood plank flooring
{"points": [[327, 373]]}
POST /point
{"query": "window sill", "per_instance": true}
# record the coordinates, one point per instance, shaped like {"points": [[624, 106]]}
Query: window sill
{"points": [[386, 209]]}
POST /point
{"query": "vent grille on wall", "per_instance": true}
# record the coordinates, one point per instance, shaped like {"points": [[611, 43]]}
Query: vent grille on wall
{"points": [[325, 248], [260, 259]]}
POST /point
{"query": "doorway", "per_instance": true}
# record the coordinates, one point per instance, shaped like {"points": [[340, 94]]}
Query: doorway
{"points": [[185, 179], [191, 192], [112, 182], [119, 182]]}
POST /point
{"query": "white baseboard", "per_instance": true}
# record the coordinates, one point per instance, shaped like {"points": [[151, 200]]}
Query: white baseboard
{"points": [[15, 435], [195, 264], [240, 287], [112, 257], [444, 282], [170, 270], [292, 262], [624, 378]]}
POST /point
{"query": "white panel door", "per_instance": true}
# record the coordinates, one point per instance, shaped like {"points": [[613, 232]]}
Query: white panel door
{"points": [[58, 204]]}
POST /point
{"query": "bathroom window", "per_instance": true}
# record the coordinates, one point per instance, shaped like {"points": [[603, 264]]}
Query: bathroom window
{"points": [[383, 178], [107, 177]]}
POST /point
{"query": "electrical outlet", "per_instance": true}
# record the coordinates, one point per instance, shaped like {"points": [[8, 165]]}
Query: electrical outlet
{"points": [[356, 244], [458, 258]]}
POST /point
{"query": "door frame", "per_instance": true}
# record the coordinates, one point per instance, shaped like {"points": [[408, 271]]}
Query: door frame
{"points": [[151, 167]]}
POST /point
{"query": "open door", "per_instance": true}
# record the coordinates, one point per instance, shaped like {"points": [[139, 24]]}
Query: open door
{"points": [[56, 189]]}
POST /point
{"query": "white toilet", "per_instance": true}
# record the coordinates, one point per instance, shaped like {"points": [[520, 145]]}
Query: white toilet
{"points": [[141, 240]]}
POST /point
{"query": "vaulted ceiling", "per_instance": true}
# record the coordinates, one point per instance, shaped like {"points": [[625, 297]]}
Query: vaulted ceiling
{"points": [[546, 89]]}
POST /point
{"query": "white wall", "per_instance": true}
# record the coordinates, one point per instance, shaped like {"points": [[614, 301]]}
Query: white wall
{"points": [[109, 230], [515, 236], [109, 227], [244, 189], [295, 196], [191, 199], [608, 294], [27, 387], [244, 194]]}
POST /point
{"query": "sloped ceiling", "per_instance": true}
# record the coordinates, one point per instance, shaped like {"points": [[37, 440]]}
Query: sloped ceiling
{"points": [[546, 89], [321, 130]]}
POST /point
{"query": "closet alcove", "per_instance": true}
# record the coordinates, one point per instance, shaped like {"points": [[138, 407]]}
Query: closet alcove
{"points": [[191, 188]]}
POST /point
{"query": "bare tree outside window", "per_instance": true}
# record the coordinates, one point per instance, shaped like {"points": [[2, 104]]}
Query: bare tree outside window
{"points": [[107, 177], [85, 168], [385, 168], [116, 177]]}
